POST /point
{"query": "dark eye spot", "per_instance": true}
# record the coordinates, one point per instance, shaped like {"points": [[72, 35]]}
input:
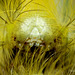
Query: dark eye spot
{"points": [[54, 40], [14, 38], [50, 52], [15, 51]]}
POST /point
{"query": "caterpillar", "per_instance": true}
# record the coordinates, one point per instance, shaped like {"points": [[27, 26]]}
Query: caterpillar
{"points": [[37, 37]]}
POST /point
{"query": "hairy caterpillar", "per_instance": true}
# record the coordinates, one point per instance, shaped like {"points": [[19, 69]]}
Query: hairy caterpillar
{"points": [[37, 37]]}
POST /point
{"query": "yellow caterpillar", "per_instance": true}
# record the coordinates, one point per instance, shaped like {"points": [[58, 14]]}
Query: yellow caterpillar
{"points": [[37, 37]]}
